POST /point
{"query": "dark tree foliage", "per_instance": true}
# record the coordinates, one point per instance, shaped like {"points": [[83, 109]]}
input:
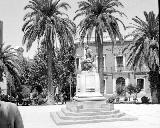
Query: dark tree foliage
{"points": [[66, 69]]}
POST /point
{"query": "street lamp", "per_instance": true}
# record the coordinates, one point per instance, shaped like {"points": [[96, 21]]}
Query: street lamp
{"points": [[70, 86]]}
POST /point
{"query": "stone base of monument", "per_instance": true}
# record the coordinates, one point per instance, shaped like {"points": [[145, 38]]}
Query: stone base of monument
{"points": [[88, 106], [88, 112]]}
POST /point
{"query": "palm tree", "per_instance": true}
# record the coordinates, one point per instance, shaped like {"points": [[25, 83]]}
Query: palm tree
{"points": [[99, 18], [45, 22], [9, 64], [144, 48]]}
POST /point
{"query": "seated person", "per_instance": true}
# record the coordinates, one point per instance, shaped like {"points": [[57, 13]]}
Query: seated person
{"points": [[63, 97], [10, 116]]}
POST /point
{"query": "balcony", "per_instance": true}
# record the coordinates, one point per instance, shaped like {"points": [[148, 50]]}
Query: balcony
{"points": [[116, 69]]}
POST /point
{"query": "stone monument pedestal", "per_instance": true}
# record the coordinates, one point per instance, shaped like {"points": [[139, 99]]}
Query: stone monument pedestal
{"points": [[88, 91], [88, 105], [88, 87]]}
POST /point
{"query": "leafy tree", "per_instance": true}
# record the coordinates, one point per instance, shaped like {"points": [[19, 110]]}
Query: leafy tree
{"points": [[26, 70], [144, 49], [25, 65], [8, 65], [66, 69], [39, 69], [131, 89], [45, 22], [99, 18]]}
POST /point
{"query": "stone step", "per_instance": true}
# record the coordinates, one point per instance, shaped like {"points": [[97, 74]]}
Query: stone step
{"points": [[60, 121], [64, 117], [95, 109], [69, 113]]}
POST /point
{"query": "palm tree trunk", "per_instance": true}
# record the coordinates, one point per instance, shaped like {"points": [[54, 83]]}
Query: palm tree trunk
{"points": [[100, 63], [154, 85], [50, 81]]}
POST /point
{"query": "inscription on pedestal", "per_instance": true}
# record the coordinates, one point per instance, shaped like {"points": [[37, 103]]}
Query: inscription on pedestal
{"points": [[90, 89]]}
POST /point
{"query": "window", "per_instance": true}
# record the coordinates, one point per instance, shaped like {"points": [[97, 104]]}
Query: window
{"points": [[119, 61], [120, 86], [140, 83], [77, 62], [104, 82]]}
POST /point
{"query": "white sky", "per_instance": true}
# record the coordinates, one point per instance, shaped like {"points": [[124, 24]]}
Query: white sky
{"points": [[12, 13]]}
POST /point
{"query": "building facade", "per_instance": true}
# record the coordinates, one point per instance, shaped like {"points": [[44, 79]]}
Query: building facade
{"points": [[116, 72]]}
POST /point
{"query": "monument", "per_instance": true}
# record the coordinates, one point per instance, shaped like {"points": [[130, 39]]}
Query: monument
{"points": [[88, 105], [88, 83]]}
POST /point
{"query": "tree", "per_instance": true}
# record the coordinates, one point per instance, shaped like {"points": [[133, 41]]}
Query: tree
{"points": [[8, 65], [66, 70], [131, 89], [45, 23], [144, 49], [99, 18], [39, 69]]}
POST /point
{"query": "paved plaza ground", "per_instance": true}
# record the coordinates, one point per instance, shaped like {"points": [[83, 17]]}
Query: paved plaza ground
{"points": [[39, 117]]}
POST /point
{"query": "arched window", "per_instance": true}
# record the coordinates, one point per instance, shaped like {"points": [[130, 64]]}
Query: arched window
{"points": [[120, 86], [77, 63]]}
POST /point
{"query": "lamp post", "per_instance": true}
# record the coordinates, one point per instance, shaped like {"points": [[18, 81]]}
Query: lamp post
{"points": [[70, 86]]}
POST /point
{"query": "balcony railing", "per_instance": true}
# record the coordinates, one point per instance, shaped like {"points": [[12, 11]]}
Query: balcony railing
{"points": [[116, 69], [112, 69]]}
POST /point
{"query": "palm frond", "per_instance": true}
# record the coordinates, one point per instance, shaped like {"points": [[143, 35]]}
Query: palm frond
{"points": [[63, 5]]}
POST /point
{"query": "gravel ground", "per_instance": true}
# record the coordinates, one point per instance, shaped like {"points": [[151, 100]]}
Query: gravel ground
{"points": [[39, 117]]}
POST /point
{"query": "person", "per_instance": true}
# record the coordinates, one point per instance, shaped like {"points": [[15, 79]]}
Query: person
{"points": [[57, 95], [34, 96], [10, 116], [63, 98], [17, 99]]}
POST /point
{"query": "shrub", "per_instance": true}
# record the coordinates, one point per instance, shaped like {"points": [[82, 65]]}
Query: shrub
{"points": [[125, 99], [145, 100], [111, 99], [131, 89], [120, 90]]}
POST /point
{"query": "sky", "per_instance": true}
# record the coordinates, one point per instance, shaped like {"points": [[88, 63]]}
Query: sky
{"points": [[12, 13]]}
